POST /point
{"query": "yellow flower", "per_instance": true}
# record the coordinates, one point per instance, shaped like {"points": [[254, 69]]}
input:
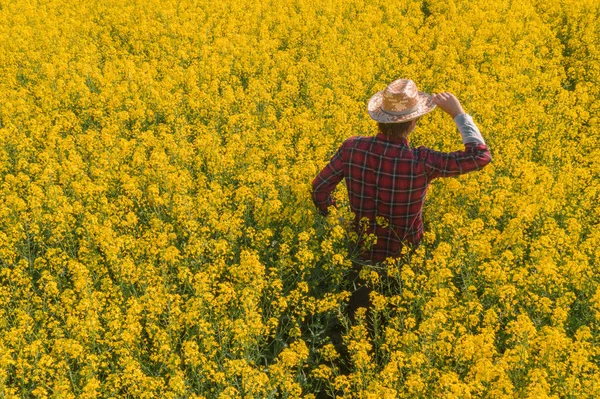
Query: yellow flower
{"points": [[156, 219]]}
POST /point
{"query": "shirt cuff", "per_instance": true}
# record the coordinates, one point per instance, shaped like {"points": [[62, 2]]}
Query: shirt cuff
{"points": [[468, 130]]}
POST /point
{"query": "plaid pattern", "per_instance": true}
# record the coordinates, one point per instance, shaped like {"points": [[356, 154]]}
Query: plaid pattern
{"points": [[387, 178]]}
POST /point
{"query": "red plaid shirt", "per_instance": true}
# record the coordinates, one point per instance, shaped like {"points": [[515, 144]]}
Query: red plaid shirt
{"points": [[386, 177]]}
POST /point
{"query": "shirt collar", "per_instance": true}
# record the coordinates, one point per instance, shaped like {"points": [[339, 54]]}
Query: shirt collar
{"points": [[397, 140]]}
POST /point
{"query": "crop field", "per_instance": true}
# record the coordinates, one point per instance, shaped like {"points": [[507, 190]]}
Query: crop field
{"points": [[157, 233]]}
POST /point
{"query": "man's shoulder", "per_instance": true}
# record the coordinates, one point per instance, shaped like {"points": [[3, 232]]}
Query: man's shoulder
{"points": [[423, 149], [422, 153]]}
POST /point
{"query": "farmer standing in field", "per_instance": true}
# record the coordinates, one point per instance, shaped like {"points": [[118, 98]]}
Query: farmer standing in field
{"points": [[386, 178]]}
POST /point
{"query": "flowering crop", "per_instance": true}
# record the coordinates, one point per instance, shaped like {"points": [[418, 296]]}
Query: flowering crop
{"points": [[157, 235]]}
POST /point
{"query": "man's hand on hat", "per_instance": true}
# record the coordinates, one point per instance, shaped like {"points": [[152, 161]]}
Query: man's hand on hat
{"points": [[448, 103]]}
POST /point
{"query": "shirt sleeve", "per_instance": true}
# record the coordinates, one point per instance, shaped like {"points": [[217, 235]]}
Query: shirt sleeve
{"points": [[468, 129], [326, 181], [474, 157]]}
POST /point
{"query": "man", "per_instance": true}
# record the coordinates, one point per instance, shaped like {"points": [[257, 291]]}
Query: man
{"points": [[387, 179]]}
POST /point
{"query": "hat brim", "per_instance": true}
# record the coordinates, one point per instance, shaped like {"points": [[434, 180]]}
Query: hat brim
{"points": [[425, 104]]}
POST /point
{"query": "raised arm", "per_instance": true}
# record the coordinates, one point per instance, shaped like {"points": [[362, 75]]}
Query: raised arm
{"points": [[475, 155]]}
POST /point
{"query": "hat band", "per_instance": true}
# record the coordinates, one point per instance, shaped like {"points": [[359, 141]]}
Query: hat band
{"points": [[399, 113]]}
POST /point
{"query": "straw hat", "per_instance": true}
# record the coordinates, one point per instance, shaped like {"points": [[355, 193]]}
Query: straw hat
{"points": [[399, 102]]}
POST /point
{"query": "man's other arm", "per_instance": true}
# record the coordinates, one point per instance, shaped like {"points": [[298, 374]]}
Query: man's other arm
{"points": [[325, 182]]}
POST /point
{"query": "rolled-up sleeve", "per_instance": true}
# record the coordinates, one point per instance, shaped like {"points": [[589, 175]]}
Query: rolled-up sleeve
{"points": [[326, 181], [468, 129]]}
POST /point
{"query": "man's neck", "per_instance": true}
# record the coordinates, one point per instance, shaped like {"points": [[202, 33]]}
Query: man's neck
{"points": [[397, 140]]}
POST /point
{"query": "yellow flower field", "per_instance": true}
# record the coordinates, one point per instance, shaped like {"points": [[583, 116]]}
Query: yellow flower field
{"points": [[157, 234]]}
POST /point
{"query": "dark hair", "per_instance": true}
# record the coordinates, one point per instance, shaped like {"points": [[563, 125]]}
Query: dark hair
{"points": [[395, 129]]}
